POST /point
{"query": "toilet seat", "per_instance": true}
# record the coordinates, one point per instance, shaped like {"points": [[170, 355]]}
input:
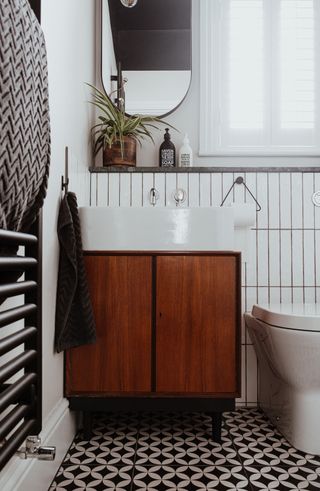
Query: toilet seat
{"points": [[299, 316]]}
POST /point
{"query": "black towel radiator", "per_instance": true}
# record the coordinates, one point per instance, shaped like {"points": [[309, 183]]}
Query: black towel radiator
{"points": [[20, 398]]}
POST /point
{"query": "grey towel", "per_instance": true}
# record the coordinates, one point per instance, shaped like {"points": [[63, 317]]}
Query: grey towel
{"points": [[74, 316], [24, 116]]}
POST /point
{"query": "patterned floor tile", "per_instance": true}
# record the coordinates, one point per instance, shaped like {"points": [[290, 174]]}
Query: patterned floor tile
{"points": [[259, 443], [191, 478], [185, 449], [174, 451], [280, 478], [109, 424], [98, 478]]}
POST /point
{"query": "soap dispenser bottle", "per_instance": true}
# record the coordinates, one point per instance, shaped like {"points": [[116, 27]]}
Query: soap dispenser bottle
{"points": [[185, 153], [167, 151]]}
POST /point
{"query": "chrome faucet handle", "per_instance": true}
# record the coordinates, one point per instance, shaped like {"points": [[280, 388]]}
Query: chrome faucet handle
{"points": [[153, 196], [179, 195]]}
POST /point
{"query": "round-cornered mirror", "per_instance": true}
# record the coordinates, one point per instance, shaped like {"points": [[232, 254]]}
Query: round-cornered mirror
{"points": [[146, 54]]}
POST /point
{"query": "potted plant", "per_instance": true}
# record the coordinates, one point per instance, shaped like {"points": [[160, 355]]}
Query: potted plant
{"points": [[116, 133]]}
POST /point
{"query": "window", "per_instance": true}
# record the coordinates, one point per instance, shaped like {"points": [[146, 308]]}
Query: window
{"points": [[259, 82]]}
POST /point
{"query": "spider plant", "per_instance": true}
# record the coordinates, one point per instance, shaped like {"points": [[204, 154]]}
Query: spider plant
{"points": [[115, 124]]}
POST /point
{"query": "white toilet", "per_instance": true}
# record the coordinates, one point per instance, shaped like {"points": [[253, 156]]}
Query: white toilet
{"points": [[286, 338]]}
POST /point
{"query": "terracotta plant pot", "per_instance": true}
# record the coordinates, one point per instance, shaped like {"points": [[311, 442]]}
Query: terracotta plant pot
{"points": [[112, 156]]}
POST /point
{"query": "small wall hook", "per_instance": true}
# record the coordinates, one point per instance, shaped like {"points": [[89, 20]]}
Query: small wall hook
{"points": [[240, 180], [65, 178]]}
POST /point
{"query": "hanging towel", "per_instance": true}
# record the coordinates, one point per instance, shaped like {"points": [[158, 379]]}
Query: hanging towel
{"points": [[75, 324], [24, 118]]}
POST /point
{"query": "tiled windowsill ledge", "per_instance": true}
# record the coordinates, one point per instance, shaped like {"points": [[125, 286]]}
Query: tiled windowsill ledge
{"points": [[198, 170]]}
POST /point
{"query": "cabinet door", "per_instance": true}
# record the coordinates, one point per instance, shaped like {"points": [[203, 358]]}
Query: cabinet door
{"points": [[120, 361], [196, 324]]}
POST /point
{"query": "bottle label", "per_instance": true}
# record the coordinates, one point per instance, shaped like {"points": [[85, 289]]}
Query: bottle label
{"points": [[167, 157], [185, 160]]}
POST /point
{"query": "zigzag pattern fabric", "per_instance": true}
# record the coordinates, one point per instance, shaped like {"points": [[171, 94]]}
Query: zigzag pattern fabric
{"points": [[24, 116]]}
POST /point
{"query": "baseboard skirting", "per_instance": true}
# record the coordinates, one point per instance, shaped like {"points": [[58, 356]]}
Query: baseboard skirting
{"points": [[33, 475]]}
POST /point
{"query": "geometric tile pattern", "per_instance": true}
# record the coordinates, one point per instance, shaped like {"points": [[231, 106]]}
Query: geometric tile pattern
{"points": [[174, 451]]}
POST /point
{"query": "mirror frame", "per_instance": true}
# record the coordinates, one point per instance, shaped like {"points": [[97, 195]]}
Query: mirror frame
{"points": [[101, 59]]}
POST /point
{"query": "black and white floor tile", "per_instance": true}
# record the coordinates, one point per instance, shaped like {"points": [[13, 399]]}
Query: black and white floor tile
{"points": [[170, 451]]}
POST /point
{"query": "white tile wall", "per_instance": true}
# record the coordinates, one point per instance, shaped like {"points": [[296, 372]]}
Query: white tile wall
{"points": [[285, 263]]}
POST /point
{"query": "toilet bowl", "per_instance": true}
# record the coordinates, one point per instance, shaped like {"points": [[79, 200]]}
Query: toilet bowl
{"points": [[286, 338]]}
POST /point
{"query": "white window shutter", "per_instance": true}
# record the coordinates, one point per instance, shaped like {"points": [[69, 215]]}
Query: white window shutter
{"points": [[259, 77]]}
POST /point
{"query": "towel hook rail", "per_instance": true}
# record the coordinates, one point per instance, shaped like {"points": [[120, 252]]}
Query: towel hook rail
{"points": [[65, 178], [240, 180]]}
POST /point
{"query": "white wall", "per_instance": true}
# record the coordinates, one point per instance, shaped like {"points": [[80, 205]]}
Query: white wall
{"points": [[69, 28]]}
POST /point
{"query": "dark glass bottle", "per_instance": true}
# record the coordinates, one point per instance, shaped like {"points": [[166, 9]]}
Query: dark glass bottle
{"points": [[167, 152]]}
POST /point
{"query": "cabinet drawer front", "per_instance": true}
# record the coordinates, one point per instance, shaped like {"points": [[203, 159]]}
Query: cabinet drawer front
{"points": [[196, 324], [120, 361]]}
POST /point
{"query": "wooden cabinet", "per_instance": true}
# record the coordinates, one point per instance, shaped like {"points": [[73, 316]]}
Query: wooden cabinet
{"points": [[120, 361], [196, 329], [168, 328]]}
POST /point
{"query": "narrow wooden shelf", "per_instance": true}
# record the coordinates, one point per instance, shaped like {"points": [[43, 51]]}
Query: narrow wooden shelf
{"points": [[197, 170]]}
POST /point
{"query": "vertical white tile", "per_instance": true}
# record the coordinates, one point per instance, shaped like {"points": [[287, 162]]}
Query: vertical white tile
{"points": [[114, 189], [171, 186], [286, 295], [239, 190], [274, 199], [262, 197], [274, 257], [251, 179], [205, 189], [275, 295], [263, 295], [227, 182], [160, 185], [285, 258], [297, 258], [297, 295], [309, 210], [252, 375], [136, 190], [310, 295], [243, 398], [148, 184], [308, 258], [93, 189], [263, 255], [216, 189], [317, 264], [296, 192], [103, 189], [194, 190], [183, 183], [251, 298], [243, 308], [316, 177], [251, 264], [318, 295], [125, 189], [285, 200]]}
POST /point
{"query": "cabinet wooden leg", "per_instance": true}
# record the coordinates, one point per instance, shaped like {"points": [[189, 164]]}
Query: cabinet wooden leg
{"points": [[216, 426], [87, 425]]}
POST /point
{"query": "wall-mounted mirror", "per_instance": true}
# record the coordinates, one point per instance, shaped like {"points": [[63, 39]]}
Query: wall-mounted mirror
{"points": [[152, 43]]}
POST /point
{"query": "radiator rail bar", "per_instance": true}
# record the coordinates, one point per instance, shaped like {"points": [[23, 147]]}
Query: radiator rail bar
{"points": [[12, 289], [10, 342], [17, 313], [15, 364], [20, 327]]}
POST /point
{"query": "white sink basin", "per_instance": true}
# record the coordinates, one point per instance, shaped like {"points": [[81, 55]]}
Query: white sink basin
{"points": [[159, 229]]}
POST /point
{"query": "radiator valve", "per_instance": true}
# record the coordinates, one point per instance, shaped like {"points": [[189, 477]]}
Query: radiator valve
{"points": [[34, 450]]}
